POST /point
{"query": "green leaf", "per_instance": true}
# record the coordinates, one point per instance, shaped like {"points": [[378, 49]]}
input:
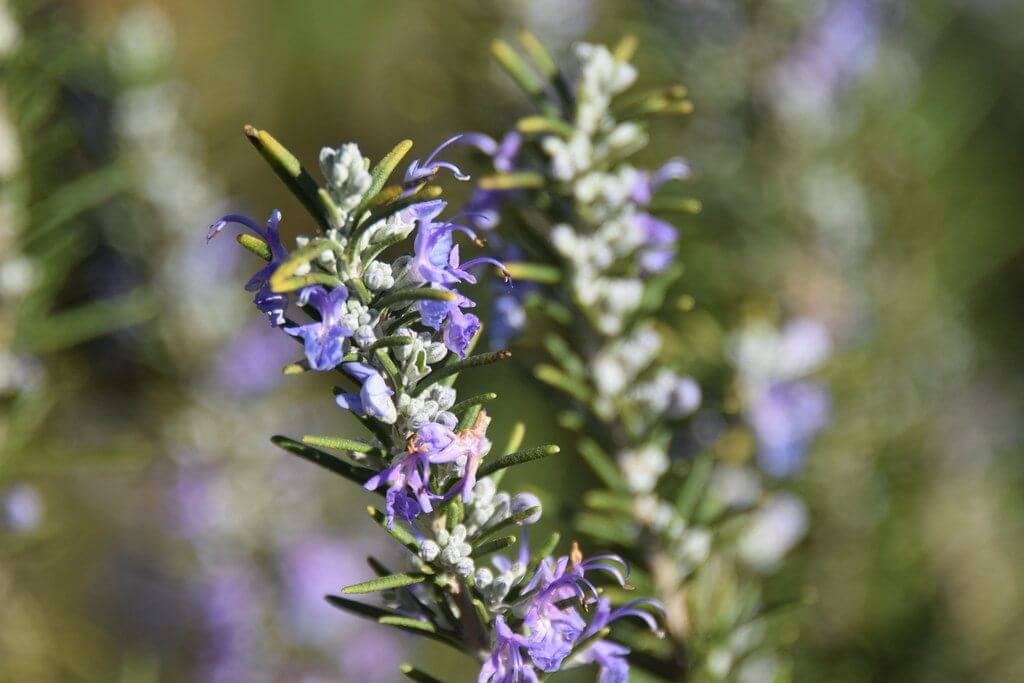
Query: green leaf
{"points": [[606, 529], [329, 462], [548, 68], [360, 608], [518, 458], [389, 342], [532, 125], [379, 613], [414, 674], [380, 213], [539, 54], [340, 443], [71, 199], [284, 278], [514, 443], [559, 379], [515, 438], [481, 611], [468, 403], [521, 180], [517, 68], [455, 512], [534, 272], [606, 501], [694, 485], [476, 361], [510, 522], [409, 623], [626, 48], [467, 420], [690, 205], [397, 531], [563, 353], [377, 248], [386, 166], [297, 178], [542, 551], [87, 321], [383, 583], [412, 294], [254, 244], [602, 464], [492, 546]]}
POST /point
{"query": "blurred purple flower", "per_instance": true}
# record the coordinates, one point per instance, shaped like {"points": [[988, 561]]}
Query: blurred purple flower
{"points": [[251, 363], [232, 605], [23, 508], [659, 242], [647, 183], [484, 206], [323, 340], [786, 417], [840, 47]]}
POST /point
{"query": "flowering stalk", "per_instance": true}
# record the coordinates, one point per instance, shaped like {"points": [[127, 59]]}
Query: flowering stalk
{"points": [[588, 230], [397, 334]]}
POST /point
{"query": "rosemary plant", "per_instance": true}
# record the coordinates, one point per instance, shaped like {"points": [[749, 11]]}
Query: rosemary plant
{"points": [[588, 228], [396, 334]]}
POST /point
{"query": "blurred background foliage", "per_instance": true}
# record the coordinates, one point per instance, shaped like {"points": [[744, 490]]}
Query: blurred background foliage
{"points": [[860, 162]]}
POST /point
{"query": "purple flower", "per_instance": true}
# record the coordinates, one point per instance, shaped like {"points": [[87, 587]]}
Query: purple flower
{"points": [[503, 153], [323, 340], [473, 444], [266, 300], [786, 417], [609, 656], [659, 242], [461, 327], [676, 168], [484, 205], [436, 258], [374, 397], [408, 477], [508, 318], [23, 508], [418, 170], [554, 630], [506, 663]]}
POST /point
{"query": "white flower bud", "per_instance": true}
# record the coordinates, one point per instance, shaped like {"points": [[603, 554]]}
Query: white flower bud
{"points": [[465, 567], [447, 419], [347, 177], [642, 467], [436, 351], [525, 501], [378, 277], [429, 550], [483, 577], [364, 335]]}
